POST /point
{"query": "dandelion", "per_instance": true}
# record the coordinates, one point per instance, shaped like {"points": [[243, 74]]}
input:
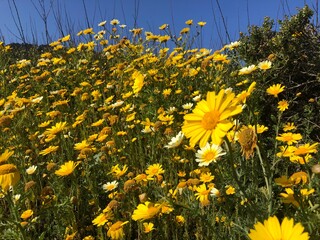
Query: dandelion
{"points": [[275, 89], [210, 118], [272, 230], [145, 211], [9, 176], [175, 141], [208, 154], [115, 232], [67, 168]]}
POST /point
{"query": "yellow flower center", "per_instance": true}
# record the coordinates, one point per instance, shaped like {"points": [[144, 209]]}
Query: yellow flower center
{"points": [[209, 156], [210, 120]]}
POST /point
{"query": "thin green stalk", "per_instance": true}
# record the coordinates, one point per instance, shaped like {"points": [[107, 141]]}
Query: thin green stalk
{"points": [[16, 217], [268, 185]]}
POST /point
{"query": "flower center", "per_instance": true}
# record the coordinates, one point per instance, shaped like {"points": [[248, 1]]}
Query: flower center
{"points": [[209, 156], [210, 120]]}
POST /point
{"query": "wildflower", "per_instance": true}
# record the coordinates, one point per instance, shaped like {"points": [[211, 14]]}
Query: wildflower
{"points": [[306, 149], [175, 141], [245, 94], [5, 156], [26, 214], [206, 177], [230, 190], [148, 227], [201, 24], [189, 22], [117, 172], [101, 24], [289, 126], [48, 150], [187, 106], [110, 186], [265, 65], [145, 211], [184, 30], [67, 168], [258, 128], [115, 232], [272, 230], [214, 192], [289, 137], [248, 141], [114, 22], [31, 170], [202, 194], [154, 170], [208, 154], [60, 126], [247, 70], [102, 218], [9, 176], [138, 81], [288, 197], [209, 119], [283, 105], [283, 181], [180, 219], [275, 89]]}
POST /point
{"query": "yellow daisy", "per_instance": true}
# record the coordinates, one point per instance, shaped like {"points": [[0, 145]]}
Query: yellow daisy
{"points": [[208, 154], [275, 89], [272, 230], [9, 176], [67, 168], [211, 118]]}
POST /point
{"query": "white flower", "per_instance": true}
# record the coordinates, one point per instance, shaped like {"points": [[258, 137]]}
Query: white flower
{"points": [[214, 192], [102, 23], [197, 98], [31, 170], [187, 106], [208, 154], [109, 186], [175, 141]]}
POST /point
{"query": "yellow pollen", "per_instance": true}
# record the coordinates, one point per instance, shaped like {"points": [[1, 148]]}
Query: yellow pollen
{"points": [[209, 156], [210, 120]]}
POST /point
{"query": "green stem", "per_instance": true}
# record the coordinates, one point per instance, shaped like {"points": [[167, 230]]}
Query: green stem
{"points": [[269, 188], [16, 217]]}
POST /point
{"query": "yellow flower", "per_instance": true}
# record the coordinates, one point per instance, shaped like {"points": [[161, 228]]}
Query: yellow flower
{"points": [[230, 190], [117, 172], [102, 218], [60, 126], [189, 22], [48, 150], [138, 81], [208, 154], [9, 176], [26, 214], [211, 118], [275, 89], [5, 156], [289, 126], [115, 232], [145, 211], [67, 168], [283, 105], [154, 170], [264, 65], [288, 197], [289, 137], [203, 194], [201, 24], [148, 227], [272, 230]]}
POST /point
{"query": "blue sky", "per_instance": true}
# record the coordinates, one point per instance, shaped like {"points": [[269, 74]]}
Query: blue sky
{"points": [[148, 14]]}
